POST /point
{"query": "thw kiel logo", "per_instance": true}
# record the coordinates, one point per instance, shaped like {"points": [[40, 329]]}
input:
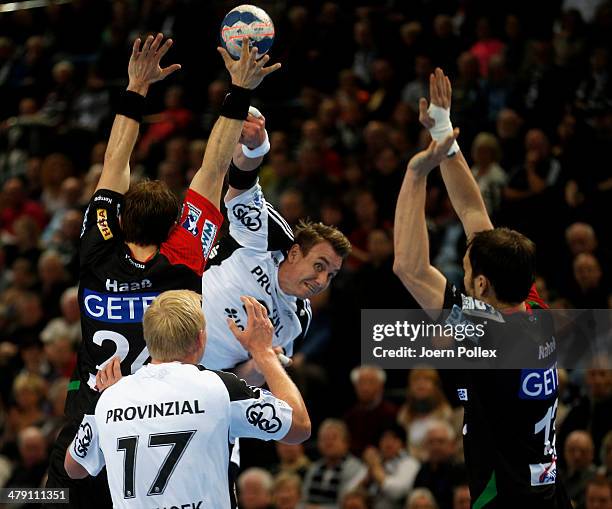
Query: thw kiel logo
{"points": [[263, 417], [83, 440], [248, 216]]}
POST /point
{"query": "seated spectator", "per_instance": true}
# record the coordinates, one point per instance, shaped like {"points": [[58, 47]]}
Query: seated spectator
{"points": [[440, 473], [356, 499], [255, 489], [579, 453], [337, 472], [292, 459], [15, 204], [69, 324], [371, 414], [421, 498], [490, 176], [56, 168], [461, 497], [55, 419], [26, 241], [33, 460], [605, 456], [287, 491], [54, 279], [588, 290], [486, 47], [425, 403], [391, 472], [598, 494]]}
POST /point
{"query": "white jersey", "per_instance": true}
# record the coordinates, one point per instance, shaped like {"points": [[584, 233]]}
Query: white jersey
{"points": [[164, 434], [246, 263]]}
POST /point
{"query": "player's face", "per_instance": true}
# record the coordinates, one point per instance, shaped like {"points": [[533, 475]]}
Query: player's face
{"points": [[311, 274]]}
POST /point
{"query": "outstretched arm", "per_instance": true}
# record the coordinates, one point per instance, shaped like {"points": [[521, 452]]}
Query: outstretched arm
{"points": [[412, 264], [458, 179], [143, 70], [247, 73]]}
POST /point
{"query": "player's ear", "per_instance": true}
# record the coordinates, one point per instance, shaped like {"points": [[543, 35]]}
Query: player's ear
{"points": [[481, 286], [294, 253]]}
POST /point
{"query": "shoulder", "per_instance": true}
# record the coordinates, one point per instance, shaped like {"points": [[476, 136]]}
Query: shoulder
{"points": [[475, 309], [237, 389]]}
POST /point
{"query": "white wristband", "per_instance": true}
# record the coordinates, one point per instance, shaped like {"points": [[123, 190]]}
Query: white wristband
{"points": [[442, 127], [256, 152]]}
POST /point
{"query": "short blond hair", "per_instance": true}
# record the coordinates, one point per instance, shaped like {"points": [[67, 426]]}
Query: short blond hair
{"points": [[489, 141], [172, 323]]}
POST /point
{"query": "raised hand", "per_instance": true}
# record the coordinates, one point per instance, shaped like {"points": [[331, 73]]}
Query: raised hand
{"points": [[440, 93], [109, 374], [258, 333], [247, 72], [426, 160], [144, 66], [253, 131]]}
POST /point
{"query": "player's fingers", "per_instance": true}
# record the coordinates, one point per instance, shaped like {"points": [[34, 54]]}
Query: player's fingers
{"points": [[147, 44], [253, 55], [244, 50], [233, 327], [440, 84], [270, 69], [225, 55], [263, 61], [136, 47], [156, 42], [164, 48], [448, 87], [116, 367], [248, 306], [170, 69], [433, 91]]}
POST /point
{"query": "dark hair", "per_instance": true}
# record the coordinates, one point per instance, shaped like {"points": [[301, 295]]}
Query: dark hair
{"points": [[149, 211], [394, 429], [308, 233], [507, 259]]}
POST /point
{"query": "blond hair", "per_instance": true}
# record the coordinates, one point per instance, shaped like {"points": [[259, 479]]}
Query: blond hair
{"points": [[31, 382], [489, 141], [172, 323]]}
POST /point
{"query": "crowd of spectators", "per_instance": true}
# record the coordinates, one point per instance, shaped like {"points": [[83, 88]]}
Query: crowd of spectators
{"points": [[532, 95]]}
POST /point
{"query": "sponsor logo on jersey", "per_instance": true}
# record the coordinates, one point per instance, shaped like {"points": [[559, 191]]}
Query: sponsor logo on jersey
{"points": [[113, 308], [154, 410], [191, 218], [547, 349], [83, 440], [539, 383], [263, 416], [209, 231], [136, 264], [474, 307], [462, 394], [102, 220], [248, 216], [262, 278], [112, 285], [543, 473], [107, 199]]}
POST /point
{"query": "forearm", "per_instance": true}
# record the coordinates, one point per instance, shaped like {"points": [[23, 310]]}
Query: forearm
{"points": [[465, 195], [243, 162], [282, 387], [116, 171], [410, 231], [208, 180]]}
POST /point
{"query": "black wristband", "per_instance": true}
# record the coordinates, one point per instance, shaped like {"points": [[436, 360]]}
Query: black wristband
{"points": [[236, 103], [239, 179], [131, 105]]}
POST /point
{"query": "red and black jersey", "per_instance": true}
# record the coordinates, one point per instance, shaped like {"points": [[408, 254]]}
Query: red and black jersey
{"points": [[115, 289], [509, 420]]}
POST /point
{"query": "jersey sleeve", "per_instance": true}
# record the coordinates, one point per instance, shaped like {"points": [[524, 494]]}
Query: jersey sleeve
{"points": [[85, 448], [100, 231], [254, 412], [192, 238], [255, 224], [534, 300]]}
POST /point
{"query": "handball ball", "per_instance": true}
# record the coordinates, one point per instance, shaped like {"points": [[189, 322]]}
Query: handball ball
{"points": [[251, 21]]}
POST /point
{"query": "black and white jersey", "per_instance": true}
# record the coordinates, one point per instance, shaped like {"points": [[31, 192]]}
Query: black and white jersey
{"points": [[164, 434], [509, 420], [115, 289], [246, 262]]}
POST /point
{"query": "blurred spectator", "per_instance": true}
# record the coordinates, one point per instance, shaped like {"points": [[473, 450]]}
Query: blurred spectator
{"points": [[56, 168], [425, 403], [486, 46], [580, 469], [588, 291], [372, 413], [605, 456], [255, 489], [292, 459], [68, 325], [32, 463], [444, 45], [337, 472], [26, 241], [598, 494], [490, 176], [440, 473], [508, 127], [356, 499], [461, 497], [419, 86], [15, 205], [391, 472], [287, 491], [55, 419], [29, 391], [421, 498]]}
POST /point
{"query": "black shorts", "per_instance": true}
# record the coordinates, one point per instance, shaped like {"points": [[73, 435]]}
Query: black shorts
{"points": [[91, 492]]}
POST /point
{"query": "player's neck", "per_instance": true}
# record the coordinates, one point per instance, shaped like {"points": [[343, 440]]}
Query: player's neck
{"points": [[507, 307], [142, 253]]}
